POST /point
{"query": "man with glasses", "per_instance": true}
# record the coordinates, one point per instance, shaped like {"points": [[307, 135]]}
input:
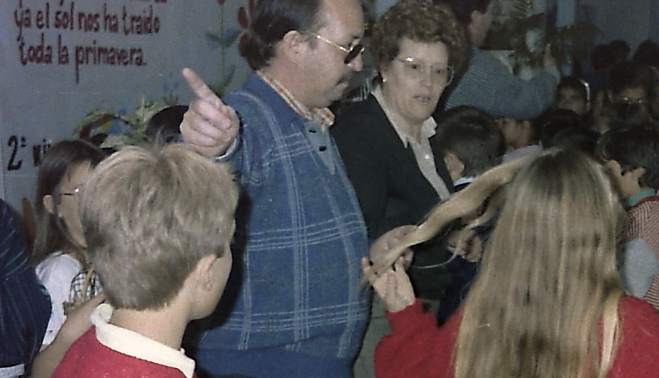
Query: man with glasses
{"points": [[630, 87], [298, 309]]}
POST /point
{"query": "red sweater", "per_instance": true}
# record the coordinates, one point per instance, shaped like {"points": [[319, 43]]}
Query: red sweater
{"points": [[417, 348], [89, 358]]}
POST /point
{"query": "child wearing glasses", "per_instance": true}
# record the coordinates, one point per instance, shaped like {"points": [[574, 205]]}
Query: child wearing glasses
{"points": [[60, 249], [629, 90]]}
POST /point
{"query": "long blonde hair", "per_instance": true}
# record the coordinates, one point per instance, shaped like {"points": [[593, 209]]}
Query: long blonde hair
{"points": [[548, 275]]}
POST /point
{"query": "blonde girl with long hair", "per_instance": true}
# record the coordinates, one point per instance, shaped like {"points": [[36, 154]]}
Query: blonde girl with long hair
{"points": [[547, 302]]}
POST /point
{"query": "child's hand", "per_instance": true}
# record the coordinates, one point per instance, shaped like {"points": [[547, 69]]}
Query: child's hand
{"points": [[76, 324], [390, 240], [392, 286], [77, 321], [466, 244]]}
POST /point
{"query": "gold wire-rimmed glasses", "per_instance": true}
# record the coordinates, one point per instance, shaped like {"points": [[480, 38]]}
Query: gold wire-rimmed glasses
{"points": [[74, 193], [418, 70], [351, 53]]}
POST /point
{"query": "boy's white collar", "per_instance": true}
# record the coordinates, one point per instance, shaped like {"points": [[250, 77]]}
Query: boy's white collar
{"points": [[135, 345]]}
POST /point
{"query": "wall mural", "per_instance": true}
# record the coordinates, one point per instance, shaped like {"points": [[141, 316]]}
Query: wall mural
{"points": [[62, 60]]}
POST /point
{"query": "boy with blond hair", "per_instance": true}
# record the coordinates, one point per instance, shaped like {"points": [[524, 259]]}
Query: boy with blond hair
{"points": [[161, 248]]}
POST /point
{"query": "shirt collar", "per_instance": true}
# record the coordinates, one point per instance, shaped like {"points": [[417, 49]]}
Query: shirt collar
{"points": [[135, 345], [428, 128], [322, 116], [636, 198]]}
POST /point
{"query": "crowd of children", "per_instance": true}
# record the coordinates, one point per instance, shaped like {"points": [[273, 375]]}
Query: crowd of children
{"points": [[604, 142], [554, 275]]}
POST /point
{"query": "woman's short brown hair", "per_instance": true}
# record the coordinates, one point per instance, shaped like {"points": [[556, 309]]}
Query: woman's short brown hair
{"points": [[419, 21]]}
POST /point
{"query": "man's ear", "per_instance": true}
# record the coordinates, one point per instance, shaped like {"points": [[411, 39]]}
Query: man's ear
{"points": [[49, 204], [294, 45]]}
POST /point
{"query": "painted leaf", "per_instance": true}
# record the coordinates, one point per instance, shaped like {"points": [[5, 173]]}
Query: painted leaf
{"points": [[230, 36], [228, 76], [213, 41]]}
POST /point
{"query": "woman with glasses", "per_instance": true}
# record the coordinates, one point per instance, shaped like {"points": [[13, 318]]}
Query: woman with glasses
{"points": [[60, 249], [386, 141]]}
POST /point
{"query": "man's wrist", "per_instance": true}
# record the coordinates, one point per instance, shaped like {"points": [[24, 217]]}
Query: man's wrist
{"points": [[221, 158]]}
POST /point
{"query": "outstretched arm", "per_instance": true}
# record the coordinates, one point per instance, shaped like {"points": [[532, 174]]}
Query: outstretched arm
{"points": [[209, 126], [76, 324]]}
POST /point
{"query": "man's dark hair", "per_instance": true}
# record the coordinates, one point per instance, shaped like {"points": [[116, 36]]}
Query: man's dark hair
{"points": [[647, 52], [271, 20], [620, 49], [164, 126], [464, 8], [631, 74], [633, 147], [581, 138], [601, 57], [554, 121], [472, 135]]}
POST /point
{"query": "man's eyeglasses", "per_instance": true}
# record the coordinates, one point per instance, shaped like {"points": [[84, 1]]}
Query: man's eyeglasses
{"points": [[74, 193], [352, 53], [417, 70], [640, 101]]}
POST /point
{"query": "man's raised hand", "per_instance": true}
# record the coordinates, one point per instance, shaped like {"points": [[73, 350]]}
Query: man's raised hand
{"points": [[209, 126]]}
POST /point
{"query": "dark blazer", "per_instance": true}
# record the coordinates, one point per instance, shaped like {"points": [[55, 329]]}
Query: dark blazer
{"points": [[391, 189]]}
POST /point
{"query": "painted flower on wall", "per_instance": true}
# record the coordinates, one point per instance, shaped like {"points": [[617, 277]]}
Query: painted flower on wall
{"points": [[225, 39], [244, 17]]}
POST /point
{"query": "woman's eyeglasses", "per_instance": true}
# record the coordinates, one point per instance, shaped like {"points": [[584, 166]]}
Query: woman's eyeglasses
{"points": [[417, 70]]}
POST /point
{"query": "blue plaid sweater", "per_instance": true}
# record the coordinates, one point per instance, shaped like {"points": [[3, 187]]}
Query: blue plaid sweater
{"points": [[299, 240]]}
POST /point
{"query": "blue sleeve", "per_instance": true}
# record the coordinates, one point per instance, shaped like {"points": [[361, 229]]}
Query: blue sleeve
{"points": [[489, 85], [24, 302]]}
